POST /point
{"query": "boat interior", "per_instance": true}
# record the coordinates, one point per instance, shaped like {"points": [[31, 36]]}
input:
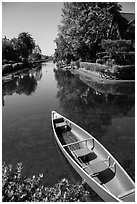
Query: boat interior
{"points": [[93, 159]]}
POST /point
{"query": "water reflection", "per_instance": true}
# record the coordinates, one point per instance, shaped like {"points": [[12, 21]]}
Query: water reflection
{"points": [[120, 88], [24, 82], [103, 115], [93, 107]]}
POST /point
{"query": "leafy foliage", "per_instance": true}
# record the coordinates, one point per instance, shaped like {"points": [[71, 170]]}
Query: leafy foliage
{"points": [[8, 52], [15, 188], [119, 51], [112, 46], [83, 26], [26, 43], [18, 49], [36, 54]]}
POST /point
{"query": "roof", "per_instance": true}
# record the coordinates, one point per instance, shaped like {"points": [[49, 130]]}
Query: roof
{"points": [[128, 16]]}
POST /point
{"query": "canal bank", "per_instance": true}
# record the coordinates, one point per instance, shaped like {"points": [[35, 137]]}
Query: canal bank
{"points": [[104, 85]]}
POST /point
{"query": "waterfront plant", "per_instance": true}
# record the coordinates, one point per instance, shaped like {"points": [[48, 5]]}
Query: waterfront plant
{"points": [[16, 188]]}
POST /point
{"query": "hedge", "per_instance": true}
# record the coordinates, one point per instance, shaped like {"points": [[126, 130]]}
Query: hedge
{"points": [[93, 66]]}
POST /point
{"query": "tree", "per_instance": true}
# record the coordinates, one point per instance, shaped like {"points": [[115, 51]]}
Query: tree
{"points": [[26, 44], [18, 49], [36, 53], [83, 26], [64, 50], [7, 50]]}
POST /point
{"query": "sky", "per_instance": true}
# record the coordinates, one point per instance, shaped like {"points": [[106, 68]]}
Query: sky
{"points": [[40, 19]]}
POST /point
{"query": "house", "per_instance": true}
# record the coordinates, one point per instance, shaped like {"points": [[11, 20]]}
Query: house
{"points": [[130, 31], [123, 27], [128, 16]]}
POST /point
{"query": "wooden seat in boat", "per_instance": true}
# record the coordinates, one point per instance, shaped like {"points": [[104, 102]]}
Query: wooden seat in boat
{"points": [[62, 125], [58, 120], [94, 167], [98, 166], [85, 167], [82, 152]]}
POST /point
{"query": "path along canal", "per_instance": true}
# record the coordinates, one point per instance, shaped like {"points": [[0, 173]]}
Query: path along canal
{"points": [[27, 136]]}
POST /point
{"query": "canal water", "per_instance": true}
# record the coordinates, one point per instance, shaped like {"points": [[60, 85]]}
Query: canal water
{"points": [[29, 97]]}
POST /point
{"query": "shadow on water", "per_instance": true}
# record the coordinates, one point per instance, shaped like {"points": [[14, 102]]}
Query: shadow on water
{"points": [[110, 118]]}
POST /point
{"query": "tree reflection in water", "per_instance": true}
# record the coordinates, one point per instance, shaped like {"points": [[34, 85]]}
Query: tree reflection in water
{"points": [[26, 85], [96, 113], [21, 83], [95, 109]]}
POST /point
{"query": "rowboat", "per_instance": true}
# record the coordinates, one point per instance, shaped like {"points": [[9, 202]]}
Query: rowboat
{"points": [[92, 161]]}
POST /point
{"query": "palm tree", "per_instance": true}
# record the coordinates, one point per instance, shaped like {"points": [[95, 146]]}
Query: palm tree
{"points": [[26, 43]]}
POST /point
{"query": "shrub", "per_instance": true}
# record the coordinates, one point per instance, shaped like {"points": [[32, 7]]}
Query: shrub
{"points": [[16, 188], [93, 66], [113, 46], [124, 72]]}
